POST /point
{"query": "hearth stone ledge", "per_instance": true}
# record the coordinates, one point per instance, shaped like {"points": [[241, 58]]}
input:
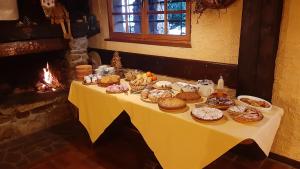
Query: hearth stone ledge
{"points": [[24, 119]]}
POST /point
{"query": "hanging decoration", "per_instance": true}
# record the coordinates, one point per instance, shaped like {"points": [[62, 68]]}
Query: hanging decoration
{"points": [[58, 15], [202, 5]]}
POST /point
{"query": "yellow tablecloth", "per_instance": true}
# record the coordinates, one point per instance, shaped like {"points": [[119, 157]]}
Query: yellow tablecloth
{"points": [[177, 140]]}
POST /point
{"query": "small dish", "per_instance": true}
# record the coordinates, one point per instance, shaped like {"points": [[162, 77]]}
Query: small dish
{"points": [[254, 102]]}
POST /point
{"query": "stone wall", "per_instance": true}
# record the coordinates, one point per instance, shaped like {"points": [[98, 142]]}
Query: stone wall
{"points": [[17, 120], [286, 93]]}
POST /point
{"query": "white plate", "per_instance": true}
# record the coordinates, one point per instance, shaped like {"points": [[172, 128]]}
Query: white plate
{"points": [[254, 98], [207, 113]]}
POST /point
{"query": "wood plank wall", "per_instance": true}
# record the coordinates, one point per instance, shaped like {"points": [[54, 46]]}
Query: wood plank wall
{"points": [[258, 47], [176, 67]]}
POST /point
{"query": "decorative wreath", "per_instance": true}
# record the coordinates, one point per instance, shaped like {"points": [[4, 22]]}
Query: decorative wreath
{"points": [[202, 5]]}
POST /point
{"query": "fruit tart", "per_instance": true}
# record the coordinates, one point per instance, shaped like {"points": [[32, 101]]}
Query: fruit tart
{"points": [[244, 114], [220, 101]]}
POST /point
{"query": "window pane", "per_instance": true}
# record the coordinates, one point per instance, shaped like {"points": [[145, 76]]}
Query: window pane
{"points": [[134, 6], [127, 6], [176, 5], [156, 5], [156, 24], [118, 6], [176, 24], [119, 23], [134, 24]]}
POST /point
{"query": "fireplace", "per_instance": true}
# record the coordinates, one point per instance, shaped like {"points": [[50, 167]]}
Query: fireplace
{"points": [[24, 108], [28, 103]]}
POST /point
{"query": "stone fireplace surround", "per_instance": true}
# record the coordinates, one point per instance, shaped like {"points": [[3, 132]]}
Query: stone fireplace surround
{"points": [[23, 111]]}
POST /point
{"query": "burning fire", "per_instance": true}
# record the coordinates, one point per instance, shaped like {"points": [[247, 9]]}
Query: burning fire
{"points": [[48, 82]]}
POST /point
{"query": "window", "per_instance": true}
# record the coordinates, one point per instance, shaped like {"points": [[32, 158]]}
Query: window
{"points": [[160, 22]]}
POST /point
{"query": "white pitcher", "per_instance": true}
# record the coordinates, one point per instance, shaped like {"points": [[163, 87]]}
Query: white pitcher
{"points": [[206, 87]]}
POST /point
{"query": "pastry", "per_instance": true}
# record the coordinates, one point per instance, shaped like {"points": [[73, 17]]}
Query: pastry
{"points": [[256, 103], [109, 80], [172, 104], [131, 75], [90, 80], [145, 94], [164, 85], [154, 95], [117, 88], [184, 87], [178, 85], [207, 113], [140, 83], [245, 114], [220, 101], [189, 96], [236, 110]]}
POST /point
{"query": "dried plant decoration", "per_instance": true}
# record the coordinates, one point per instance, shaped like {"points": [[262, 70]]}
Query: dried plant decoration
{"points": [[202, 5], [116, 63]]}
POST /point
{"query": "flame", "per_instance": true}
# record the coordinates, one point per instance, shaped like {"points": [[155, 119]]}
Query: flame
{"points": [[48, 78], [49, 82]]}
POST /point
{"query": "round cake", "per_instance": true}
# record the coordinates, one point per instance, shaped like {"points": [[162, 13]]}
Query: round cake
{"points": [[245, 114], [189, 96], [207, 113], [172, 104]]}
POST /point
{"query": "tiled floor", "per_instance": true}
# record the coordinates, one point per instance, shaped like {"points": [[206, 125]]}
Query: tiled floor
{"points": [[68, 147]]}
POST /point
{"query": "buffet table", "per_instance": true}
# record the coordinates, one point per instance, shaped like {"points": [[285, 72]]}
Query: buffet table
{"points": [[177, 139]]}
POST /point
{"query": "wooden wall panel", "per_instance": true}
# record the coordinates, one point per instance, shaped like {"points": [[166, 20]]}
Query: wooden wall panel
{"points": [[258, 47], [176, 67]]}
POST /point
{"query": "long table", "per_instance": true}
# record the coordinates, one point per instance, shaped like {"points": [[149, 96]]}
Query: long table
{"points": [[177, 140]]}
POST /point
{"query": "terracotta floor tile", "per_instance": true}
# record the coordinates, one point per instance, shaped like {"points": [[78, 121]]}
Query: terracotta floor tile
{"points": [[67, 146], [45, 165], [271, 164]]}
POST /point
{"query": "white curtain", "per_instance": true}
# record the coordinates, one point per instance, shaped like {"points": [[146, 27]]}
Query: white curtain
{"points": [[9, 10]]}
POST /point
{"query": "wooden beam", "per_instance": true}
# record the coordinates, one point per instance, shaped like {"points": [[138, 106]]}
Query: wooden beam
{"points": [[31, 46], [258, 47]]}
